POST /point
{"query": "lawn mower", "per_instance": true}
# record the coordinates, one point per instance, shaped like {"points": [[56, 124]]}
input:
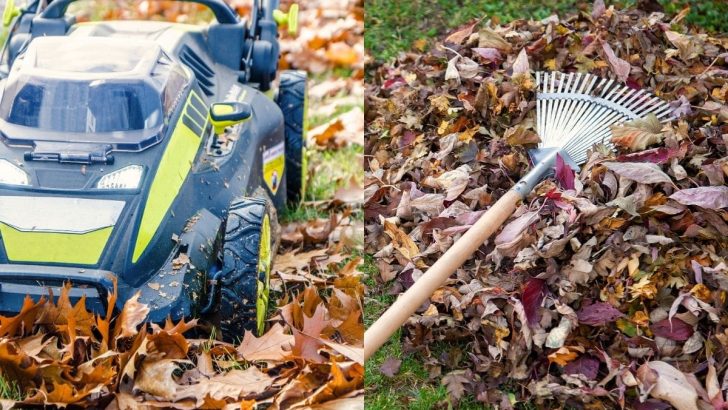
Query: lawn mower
{"points": [[148, 156]]}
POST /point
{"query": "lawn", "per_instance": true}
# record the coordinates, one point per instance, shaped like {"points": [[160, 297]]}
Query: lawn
{"points": [[395, 26]]}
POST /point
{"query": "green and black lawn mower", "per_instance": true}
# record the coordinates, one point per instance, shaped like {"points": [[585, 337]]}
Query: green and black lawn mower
{"points": [[148, 154]]}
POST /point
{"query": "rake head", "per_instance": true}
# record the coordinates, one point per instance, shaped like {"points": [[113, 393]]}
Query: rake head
{"points": [[574, 111]]}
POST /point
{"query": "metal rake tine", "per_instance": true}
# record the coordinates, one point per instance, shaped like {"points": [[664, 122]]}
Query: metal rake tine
{"points": [[660, 108], [595, 125], [561, 108], [545, 110], [581, 105], [605, 116], [538, 103], [552, 108], [590, 140], [568, 107], [654, 104], [557, 108], [585, 126], [593, 110]]}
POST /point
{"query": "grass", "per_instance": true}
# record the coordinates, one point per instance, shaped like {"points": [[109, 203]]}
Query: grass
{"points": [[329, 169], [411, 387], [9, 389], [394, 26]]}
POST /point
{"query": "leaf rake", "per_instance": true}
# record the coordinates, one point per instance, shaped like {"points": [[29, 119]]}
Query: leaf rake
{"points": [[573, 112]]}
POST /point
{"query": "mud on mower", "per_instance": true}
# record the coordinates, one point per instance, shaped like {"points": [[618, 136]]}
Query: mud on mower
{"points": [[150, 154]]}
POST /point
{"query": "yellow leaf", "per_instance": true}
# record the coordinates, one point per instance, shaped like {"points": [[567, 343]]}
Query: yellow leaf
{"points": [[562, 356], [444, 125], [401, 241], [441, 103], [643, 289], [701, 292], [467, 135]]}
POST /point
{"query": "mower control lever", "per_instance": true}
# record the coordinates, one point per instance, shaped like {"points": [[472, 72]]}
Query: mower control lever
{"points": [[290, 19], [227, 114]]}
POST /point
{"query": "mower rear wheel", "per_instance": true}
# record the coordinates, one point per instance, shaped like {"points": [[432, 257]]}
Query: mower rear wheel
{"points": [[246, 263], [293, 101]]}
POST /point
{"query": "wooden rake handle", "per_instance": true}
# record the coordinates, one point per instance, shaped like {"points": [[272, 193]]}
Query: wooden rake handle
{"points": [[414, 297]]}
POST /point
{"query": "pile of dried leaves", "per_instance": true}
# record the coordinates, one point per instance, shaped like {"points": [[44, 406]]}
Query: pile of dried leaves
{"points": [[58, 353], [605, 289]]}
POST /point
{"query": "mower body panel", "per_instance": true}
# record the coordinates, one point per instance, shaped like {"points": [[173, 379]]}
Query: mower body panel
{"points": [[142, 237]]}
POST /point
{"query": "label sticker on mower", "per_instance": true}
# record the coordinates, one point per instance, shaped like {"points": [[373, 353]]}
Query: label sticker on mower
{"points": [[274, 163]]}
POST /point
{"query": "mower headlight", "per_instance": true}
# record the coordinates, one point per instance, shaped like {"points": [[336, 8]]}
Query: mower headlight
{"points": [[128, 177], [12, 174]]}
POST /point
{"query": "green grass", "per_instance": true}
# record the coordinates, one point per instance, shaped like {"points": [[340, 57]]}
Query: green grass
{"points": [[394, 26], [411, 388], [9, 389], [331, 170]]}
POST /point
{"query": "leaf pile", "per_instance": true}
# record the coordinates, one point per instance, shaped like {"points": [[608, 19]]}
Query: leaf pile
{"points": [[55, 352], [605, 289]]}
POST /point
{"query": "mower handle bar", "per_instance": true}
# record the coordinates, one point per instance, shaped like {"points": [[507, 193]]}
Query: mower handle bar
{"points": [[223, 13]]}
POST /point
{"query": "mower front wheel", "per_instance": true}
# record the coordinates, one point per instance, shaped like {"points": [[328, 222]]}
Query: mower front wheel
{"points": [[244, 281]]}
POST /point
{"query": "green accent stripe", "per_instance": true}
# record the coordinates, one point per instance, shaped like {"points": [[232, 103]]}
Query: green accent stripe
{"points": [[198, 105], [54, 247], [196, 117], [171, 174]]}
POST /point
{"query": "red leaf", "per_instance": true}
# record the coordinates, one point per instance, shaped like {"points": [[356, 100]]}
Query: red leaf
{"points": [[553, 194], [390, 83], [674, 329], [533, 294], [564, 173], [598, 314], [656, 155], [586, 365]]}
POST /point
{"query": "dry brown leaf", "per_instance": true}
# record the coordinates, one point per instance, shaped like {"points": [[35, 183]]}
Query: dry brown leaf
{"points": [[637, 134], [401, 241], [274, 345], [132, 314]]}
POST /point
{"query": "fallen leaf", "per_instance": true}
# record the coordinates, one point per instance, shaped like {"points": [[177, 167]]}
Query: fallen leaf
{"points": [[673, 329], [564, 174], [642, 172], [521, 66], [390, 367], [709, 197], [665, 382], [584, 365], [274, 345], [637, 134], [401, 241], [562, 356], [598, 314], [620, 67]]}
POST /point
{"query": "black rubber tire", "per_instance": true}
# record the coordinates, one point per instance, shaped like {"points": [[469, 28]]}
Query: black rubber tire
{"points": [[292, 101], [236, 311]]}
